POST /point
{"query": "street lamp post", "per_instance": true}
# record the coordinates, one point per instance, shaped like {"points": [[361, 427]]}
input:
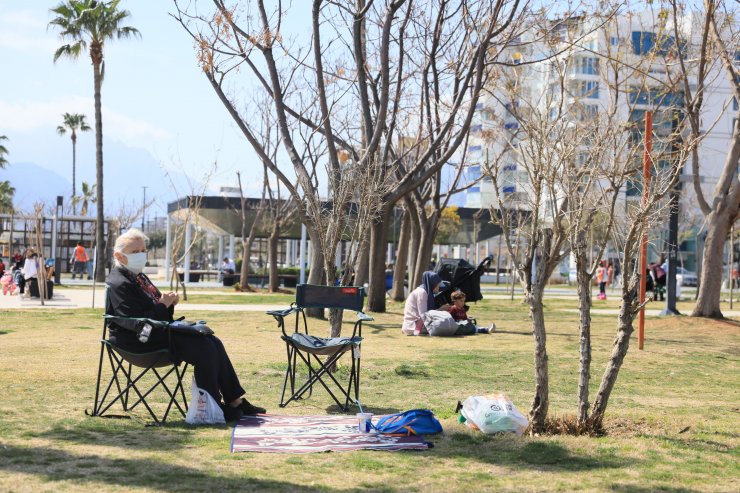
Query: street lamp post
{"points": [[670, 299], [143, 208], [55, 243]]}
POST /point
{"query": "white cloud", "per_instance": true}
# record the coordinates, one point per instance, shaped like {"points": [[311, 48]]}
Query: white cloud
{"points": [[23, 18], [29, 116], [25, 31]]}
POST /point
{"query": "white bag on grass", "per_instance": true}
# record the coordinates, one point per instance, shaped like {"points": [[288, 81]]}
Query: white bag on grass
{"points": [[494, 413], [203, 410]]}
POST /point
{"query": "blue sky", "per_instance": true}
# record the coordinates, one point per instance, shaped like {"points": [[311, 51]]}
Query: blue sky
{"points": [[159, 112]]}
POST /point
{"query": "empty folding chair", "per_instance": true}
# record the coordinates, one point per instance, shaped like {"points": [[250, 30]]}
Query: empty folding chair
{"points": [[319, 355]]}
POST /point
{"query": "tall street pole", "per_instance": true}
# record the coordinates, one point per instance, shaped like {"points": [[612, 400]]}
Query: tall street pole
{"points": [[670, 301], [648, 146], [143, 208]]}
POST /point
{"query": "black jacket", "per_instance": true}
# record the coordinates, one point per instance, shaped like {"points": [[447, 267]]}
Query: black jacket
{"points": [[126, 299]]}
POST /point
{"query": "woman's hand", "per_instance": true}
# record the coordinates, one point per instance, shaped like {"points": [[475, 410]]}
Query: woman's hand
{"points": [[169, 299]]}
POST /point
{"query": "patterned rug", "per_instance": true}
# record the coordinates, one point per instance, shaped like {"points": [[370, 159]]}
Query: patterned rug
{"points": [[306, 434]]}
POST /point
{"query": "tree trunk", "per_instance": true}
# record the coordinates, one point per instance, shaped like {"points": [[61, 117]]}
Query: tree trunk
{"points": [[272, 257], [426, 243], [316, 274], [710, 288], [584, 309], [540, 403], [378, 240], [398, 292], [363, 262], [619, 351], [100, 229], [414, 239], [724, 212], [74, 172], [244, 271]]}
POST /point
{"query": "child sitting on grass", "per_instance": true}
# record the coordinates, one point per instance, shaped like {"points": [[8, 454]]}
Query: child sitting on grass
{"points": [[459, 313]]}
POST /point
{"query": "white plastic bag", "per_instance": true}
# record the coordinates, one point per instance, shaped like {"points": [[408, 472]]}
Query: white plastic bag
{"points": [[203, 408], [494, 413]]}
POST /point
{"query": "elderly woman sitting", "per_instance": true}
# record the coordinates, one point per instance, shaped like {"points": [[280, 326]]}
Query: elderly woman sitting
{"points": [[132, 294]]}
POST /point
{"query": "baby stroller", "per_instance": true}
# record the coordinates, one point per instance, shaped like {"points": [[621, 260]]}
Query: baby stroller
{"points": [[460, 274]]}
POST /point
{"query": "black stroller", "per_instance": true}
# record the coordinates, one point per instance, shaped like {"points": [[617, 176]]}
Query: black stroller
{"points": [[460, 274]]}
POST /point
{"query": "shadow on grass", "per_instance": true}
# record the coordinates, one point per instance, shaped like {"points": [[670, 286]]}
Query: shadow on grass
{"points": [[632, 488], [505, 450], [3, 332], [97, 431], [58, 465]]}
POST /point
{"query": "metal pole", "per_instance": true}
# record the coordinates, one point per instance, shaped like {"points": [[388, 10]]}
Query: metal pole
{"points": [[670, 300], [302, 255], [188, 234], [731, 267], [643, 247], [95, 270], [143, 208], [167, 247], [55, 243]]}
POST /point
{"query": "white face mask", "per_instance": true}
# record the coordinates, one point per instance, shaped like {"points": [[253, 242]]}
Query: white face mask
{"points": [[136, 262]]}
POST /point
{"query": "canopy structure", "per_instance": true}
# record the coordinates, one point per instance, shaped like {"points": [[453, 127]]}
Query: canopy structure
{"points": [[221, 216]]}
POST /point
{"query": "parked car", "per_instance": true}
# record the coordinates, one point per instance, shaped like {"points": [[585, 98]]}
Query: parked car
{"points": [[686, 277]]}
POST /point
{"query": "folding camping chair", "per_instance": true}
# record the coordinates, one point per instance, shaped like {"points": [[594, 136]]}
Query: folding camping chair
{"points": [[308, 349], [122, 365]]}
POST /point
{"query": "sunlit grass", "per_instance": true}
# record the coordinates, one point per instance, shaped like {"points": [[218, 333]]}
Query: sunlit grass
{"points": [[672, 420]]}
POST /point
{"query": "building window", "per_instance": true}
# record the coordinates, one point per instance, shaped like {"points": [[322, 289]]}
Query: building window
{"points": [[476, 128], [586, 88], [614, 40], [647, 42], [734, 104], [474, 189], [655, 97], [592, 45], [586, 65]]}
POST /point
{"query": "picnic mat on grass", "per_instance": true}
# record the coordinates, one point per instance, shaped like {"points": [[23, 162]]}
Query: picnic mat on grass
{"points": [[306, 434]]}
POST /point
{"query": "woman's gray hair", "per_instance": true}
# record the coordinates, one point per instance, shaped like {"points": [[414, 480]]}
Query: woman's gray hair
{"points": [[123, 240]]}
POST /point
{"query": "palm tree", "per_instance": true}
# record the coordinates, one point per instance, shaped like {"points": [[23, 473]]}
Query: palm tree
{"points": [[6, 191], [87, 25], [6, 197], [3, 152], [86, 197], [73, 122]]}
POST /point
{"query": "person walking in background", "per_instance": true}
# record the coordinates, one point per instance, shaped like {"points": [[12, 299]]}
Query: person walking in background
{"points": [[17, 260], [30, 273], [602, 277], [80, 260], [2, 268], [610, 273]]}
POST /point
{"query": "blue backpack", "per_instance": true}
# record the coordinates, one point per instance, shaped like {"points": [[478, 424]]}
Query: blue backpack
{"points": [[413, 422]]}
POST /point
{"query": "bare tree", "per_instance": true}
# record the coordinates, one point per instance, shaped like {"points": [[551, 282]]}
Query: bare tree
{"points": [[369, 69], [248, 238], [715, 41]]}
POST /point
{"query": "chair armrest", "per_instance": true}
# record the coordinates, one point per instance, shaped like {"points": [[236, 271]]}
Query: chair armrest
{"points": [[364, 317], [132, 323], [279, 314]]}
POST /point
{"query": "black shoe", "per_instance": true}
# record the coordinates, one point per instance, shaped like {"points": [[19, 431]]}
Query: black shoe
{"points": [[250, 409], [231, 413]]}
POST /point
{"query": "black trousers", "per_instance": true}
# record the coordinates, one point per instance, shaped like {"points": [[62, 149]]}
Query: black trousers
{"points": [[214, 372]]}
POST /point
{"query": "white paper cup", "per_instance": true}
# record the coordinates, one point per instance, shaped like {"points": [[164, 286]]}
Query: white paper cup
{"points": [[364, 422]]}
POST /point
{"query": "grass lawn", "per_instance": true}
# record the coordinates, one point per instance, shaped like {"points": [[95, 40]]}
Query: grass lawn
{"points": [[673, 417]]}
